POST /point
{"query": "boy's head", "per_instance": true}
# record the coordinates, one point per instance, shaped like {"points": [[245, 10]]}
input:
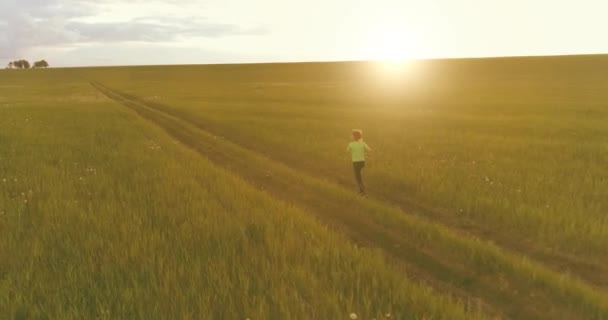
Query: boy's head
{"points": [[357, 134]]}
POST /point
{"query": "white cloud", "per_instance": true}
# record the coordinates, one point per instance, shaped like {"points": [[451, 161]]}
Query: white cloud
{"points": [[156, 29], [143, 54], [26, 25], [77, 30]]}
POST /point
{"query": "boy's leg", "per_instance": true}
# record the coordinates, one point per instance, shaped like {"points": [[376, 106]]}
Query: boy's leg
{"points": [[357, 166], [361, 185]]}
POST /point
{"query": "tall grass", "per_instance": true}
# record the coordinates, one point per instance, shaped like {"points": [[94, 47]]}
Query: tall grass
{"points": [[510, 149], [503, 282], [102, 215]]}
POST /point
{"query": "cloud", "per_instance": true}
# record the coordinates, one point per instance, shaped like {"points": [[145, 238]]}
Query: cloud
{"points": [[28, 24], [23, 31], [156, 29], [112, 54], [48, 8]]}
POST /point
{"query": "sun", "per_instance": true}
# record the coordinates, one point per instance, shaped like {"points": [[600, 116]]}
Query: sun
{"points": [[390, 47], [391, 40], [390, 52]]}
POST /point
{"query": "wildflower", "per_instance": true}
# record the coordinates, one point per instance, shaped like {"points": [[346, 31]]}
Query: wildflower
{"points": [[353, 316]]}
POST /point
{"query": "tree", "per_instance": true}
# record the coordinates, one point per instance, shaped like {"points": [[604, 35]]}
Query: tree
{"points": [[10, 65], [41, 64], [21, 64]]}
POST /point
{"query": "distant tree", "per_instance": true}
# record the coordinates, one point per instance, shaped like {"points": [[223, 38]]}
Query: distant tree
{"points": [[41, 64], [10, 65], [21, 64]]}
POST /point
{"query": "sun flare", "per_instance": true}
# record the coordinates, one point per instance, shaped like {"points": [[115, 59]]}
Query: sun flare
{"points": [[391, 54], [390, 42], [391, 48]]}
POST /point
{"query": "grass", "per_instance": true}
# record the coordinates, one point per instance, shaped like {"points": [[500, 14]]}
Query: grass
{"points": [[476, 271], [103, 215], [511, 148], [486, 184]]}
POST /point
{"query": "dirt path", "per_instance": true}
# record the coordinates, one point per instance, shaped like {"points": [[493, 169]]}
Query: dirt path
{"points": [[595, 273], [504, 293]]}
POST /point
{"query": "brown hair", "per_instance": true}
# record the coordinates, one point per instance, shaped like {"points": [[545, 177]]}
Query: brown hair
{"points": [[357, 134]]}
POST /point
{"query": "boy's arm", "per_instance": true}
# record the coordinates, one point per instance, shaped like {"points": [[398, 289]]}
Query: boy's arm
{"points": [[367, 147]]}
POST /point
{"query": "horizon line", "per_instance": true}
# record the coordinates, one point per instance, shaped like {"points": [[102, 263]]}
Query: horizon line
{"points": [[330, 61]]}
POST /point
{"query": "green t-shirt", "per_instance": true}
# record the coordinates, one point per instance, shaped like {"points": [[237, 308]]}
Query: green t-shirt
{"points": [[357, 150]]}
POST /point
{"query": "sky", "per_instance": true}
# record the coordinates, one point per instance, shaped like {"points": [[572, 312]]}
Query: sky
{"points": [[136, 32]]}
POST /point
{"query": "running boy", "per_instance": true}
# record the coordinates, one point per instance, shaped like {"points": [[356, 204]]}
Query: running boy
{"points": [[357, 150]]}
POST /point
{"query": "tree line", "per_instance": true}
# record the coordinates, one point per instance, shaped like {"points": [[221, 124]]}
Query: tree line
{"points": [[24, 64]]}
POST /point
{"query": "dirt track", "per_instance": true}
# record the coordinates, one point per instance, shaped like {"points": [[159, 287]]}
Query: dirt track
{"points": [[426, 261]]}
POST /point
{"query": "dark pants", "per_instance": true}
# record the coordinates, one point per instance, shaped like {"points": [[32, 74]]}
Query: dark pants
{"points": [[357, 167]]}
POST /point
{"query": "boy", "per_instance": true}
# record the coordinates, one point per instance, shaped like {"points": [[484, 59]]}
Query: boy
{"points": [[357, 150]]}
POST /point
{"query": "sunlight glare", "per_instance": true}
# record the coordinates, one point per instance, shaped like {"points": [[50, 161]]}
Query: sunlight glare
{"points": [[391, 48]]}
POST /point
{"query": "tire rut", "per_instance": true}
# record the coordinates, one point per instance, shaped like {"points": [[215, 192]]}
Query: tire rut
{"points": [[594, 274], [426, 262]]}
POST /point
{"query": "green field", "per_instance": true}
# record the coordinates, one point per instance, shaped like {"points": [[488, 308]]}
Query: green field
{"points": [[225, 192]]}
